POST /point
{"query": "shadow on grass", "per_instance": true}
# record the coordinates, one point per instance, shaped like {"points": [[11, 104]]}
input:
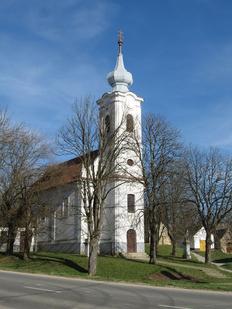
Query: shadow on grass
{"points": [[169, 273], [178, 259], [224, 261], [61, 260], [173, 274], [164, 258]]}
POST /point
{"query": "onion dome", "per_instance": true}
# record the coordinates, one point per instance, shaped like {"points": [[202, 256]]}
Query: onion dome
{"points": [[120, 78]]}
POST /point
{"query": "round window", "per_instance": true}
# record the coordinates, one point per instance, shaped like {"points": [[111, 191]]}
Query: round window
{"points": [[130, 162]]}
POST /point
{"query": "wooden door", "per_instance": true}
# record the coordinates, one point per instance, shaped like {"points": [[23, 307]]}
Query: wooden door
{"points": [[131, 241], [202, 245]]}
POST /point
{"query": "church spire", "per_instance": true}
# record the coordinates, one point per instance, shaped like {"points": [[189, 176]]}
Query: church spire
{"points": [[120, 42], [120, 78]]}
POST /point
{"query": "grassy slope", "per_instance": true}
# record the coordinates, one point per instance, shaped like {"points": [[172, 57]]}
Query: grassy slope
{"points": [[228, 266], [164, 255], [218, 256], [119, 269], [165, 250]]}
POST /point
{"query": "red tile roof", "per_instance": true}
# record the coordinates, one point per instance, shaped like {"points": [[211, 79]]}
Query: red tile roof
{"points": [[63, 173]]}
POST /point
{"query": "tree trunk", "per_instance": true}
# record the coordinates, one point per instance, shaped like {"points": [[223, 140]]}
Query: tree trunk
{"points": [[10, 239], [153, 248], [156, 246], [92, 261], [173, 247], [208, 243], [27, 244]]}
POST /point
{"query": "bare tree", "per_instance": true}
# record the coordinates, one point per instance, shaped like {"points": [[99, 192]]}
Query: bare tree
{"points": [[8, 180], [161, 147], [35, 155], [83, 134], [226, 224], [23, 152], [174, 197], [209, 176], [179, 215], [4, 132]]}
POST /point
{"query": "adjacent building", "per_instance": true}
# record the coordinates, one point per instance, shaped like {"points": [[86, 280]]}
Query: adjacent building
{"points": [[197, 242]]}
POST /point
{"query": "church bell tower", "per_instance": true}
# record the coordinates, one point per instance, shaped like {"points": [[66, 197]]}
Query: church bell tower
{"points": [[123, 230]]}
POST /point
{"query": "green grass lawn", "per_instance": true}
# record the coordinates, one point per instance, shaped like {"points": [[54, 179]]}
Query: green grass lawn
{"points": [[228, 266], [164, 254], [165, 250], [173, 273]]}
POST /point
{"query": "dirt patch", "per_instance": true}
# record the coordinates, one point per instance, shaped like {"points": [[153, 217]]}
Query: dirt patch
{"points": [[157, 276], [168, 275], [8, 259]]}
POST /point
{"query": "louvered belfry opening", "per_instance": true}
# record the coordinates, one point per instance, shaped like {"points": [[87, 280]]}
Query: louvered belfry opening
{"points": [[129, 123], [131, 203], [107, 123]]}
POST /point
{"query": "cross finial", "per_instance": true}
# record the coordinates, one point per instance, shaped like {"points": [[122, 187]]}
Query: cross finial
{"points": [[120, 41]]}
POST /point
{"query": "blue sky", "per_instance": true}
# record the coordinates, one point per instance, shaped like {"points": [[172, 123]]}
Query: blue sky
{"points": [[179, 52]]}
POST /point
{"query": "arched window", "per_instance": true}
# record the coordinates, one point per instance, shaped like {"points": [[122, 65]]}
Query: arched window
{"points": [[129, 123], [131, 203], [107, 123]]}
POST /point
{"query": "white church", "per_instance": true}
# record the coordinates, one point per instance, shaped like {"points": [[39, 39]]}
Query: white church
{"points": [[66, 230]]}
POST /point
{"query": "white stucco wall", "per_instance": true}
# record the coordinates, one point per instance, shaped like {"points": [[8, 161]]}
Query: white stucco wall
{"points": [[60, 232], [117, 220]]}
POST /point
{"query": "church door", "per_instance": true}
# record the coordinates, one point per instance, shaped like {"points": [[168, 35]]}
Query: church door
{"points": [[131, 241]]}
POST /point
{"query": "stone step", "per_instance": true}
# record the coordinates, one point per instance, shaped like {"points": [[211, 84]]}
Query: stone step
{"points": [[136, 256]]}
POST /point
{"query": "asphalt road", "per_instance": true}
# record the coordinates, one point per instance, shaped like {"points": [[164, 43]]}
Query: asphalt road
{"points": [[35, 291]]}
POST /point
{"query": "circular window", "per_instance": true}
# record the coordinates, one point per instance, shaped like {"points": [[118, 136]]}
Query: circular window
{"points": [[130, 162]]}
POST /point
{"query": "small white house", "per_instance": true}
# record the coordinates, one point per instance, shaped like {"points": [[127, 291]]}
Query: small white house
{"points": [[197, 242]]}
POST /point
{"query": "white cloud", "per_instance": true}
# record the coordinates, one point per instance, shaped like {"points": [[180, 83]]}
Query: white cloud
{"points": [[62, 20]]}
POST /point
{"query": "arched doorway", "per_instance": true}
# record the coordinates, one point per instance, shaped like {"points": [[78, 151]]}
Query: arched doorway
{"points": [[131, 241]]}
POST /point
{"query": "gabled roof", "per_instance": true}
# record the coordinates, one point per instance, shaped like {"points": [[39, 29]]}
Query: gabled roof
{"points": [[63, 173]]}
